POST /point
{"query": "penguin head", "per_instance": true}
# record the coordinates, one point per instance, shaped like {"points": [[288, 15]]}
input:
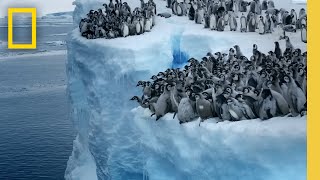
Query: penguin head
{"points": [[301, 71], [197, 96], [134, 98], [286, 79], [246, 90], [266, 93], [239, 97]]}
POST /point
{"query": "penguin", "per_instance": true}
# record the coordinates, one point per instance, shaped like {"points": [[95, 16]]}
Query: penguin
{"points": [[264, 5], [147, 26], [282, 104], [252, 23], [226, 18], [191, 13], [277, 50], [186, 112], [252, 8], [138, 28], [162, 105], [141, 22], [246, 109], [180, 9], [267, 105], [204, 108], [238, 51], [174, 7], [304, 33], [124, 29], [213, 22], [268, 24], [233, 22], [199, 15], [141, 103], [271, 4], [206, 20], [243, 23], [288, 43], [261, 26], [235, 110], [294, 17], [296, 97], [169, 3], [221, 24], [258, 7]]}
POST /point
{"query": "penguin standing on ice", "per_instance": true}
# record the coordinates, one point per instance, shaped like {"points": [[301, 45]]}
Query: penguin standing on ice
{"points": [[252, 23], [186, 111], [221, 24], [304, 33], [233, 22], [147, 26], [213, 22], [268, 24], [267, 105], [296, 97], [226, 18], [174, 7], [204, 108], [199, 15], [264, 5], [277, 50], [191, 13], [243, 23], [125, 29], [294, 17], [261, 26], [206, 20]]}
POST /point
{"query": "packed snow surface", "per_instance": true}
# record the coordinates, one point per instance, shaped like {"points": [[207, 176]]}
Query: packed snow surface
{"points": [[118, 140]]}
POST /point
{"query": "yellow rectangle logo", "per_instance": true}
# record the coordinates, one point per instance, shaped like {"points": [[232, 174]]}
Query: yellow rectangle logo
{"points": [[33, 12]]}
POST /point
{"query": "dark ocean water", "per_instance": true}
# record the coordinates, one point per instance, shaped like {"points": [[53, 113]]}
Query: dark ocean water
{"points": [[36, 134]]}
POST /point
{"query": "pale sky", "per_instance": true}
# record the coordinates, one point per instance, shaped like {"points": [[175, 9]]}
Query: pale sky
{"points": [[43, 6]]}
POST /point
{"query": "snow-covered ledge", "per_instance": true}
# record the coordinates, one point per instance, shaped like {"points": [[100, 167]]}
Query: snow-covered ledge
{"points": [[116, 140]]}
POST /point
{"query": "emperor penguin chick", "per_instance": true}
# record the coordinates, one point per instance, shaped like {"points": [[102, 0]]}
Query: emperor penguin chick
{"points": [[162, 106], [204, 108]]}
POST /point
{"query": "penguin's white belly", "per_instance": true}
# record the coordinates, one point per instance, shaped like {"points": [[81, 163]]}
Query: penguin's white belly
{"points": [[243, 23], [138, 28], [147, 26], [261, 27], [125, 30], [179, 10], [232, 24], [142, 26], [213, 23]]}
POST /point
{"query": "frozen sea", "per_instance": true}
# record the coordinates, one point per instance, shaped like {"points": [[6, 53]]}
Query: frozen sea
{"points": [[35, 130]]}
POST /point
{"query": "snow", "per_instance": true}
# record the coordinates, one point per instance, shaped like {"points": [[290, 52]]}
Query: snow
{"points": [[116, 140]]}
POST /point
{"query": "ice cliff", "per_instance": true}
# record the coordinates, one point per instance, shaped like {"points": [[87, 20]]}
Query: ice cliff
{"points": [[118, 140]]}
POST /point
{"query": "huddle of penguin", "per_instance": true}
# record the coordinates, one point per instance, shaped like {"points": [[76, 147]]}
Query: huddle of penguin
{"points": [[231, 86], [117, 20], [255, 16]]}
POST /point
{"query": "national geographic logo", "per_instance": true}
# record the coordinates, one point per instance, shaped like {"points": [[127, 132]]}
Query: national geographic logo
{"points": [[33, 12]]}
